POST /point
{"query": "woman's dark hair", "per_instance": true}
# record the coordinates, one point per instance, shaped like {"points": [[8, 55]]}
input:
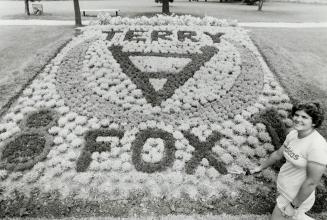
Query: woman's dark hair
{"points": [[313, 109]]}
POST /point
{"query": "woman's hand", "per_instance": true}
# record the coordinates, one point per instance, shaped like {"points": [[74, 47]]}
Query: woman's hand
{"points": [[290, 211], [256, 169]]}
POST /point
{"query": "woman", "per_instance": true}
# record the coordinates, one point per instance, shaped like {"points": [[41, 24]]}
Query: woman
{"points": [[305, 151]]}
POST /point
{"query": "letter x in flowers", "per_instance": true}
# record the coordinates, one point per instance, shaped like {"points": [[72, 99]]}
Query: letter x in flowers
{"points": [[203, 150]]}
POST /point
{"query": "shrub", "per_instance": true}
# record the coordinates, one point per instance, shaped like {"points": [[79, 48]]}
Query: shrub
{"points": [[274, 125]]}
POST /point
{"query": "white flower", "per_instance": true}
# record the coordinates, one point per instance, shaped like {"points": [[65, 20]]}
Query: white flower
{"points": [[79, 130], [113, 126], [178, 135], [200, 172], [80, 120], [212, 173], [83, 178], [169, 129], [62, 148], [58, 140], [28, 92], [63, 132], [63, 110], [191, 191], [32, 176], [70, 137], [151, 124], [205, 162], [60, 103], [95, 126], [54, 130], [184, 127], [126, 166], [125, 157], [62, 122], [16, 176], [153, 150], [95, 166], [76, 142], [3, 174], [218, 150], [116, 165], [95, 155], [27, 109]]}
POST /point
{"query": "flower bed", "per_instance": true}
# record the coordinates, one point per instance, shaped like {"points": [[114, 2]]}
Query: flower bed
{"points": [[145, 116]]}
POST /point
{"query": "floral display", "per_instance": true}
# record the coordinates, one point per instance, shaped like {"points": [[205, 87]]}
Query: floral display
{"points": [[25, 149], [142, 115]]}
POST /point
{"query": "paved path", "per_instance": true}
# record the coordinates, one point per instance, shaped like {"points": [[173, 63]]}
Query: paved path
{"points": [[272, 11], [19, 22]]}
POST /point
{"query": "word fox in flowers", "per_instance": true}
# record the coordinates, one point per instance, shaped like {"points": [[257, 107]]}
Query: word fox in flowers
{"points": [[144, 155]]}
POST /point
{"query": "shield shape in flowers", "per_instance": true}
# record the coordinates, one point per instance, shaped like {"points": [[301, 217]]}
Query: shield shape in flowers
{"points": [[159, 82]]}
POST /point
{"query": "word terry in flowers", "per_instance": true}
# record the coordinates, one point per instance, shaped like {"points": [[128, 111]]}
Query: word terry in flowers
{"points": [[138, 35]]}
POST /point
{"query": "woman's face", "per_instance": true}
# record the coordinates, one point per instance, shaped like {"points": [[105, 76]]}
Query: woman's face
{"points": [[302, 121]]}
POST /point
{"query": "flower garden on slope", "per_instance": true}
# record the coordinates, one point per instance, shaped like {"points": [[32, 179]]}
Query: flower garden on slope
{"points": [[145, 116]]}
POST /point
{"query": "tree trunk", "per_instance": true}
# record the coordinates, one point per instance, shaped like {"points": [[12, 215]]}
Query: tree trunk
{"points": [[78, 18], [260, 5], [27, 9], [165, 7]]}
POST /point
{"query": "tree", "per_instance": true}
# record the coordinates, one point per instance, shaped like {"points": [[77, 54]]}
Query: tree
{"points": [[78, 18], [165, 6], [27, 8], [260, 5]]}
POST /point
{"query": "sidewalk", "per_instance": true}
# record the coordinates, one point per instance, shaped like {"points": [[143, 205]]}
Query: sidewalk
{"points": [[20, 22], [271, 11]]}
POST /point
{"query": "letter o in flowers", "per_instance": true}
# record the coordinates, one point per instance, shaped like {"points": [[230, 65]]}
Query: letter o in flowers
{"points": [[153, 150]]}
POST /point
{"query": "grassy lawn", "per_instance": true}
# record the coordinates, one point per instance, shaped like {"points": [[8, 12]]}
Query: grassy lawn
{"points": [[192, 217], [24, 50], [298, 57]]}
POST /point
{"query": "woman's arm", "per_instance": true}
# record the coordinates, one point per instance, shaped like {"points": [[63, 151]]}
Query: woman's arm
{"points": [[273, 158], [314, 174]]}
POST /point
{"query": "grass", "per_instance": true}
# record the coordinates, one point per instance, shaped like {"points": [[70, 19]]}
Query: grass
{"points": [[189, 217], [178, 217], [24, 51], [298, 57]]}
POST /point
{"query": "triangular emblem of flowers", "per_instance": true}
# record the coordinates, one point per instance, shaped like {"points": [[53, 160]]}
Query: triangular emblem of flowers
{"points": [[142, 78]]}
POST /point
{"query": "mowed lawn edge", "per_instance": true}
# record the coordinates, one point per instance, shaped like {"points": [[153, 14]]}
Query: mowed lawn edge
{"points": [[320, 216], [25, 51]]}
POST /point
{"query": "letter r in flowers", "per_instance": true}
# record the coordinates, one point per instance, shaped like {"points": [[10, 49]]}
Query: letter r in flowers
{"points": [[132, 35], [164, 35], [96, 141], [182, 35], [203, 150]]}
